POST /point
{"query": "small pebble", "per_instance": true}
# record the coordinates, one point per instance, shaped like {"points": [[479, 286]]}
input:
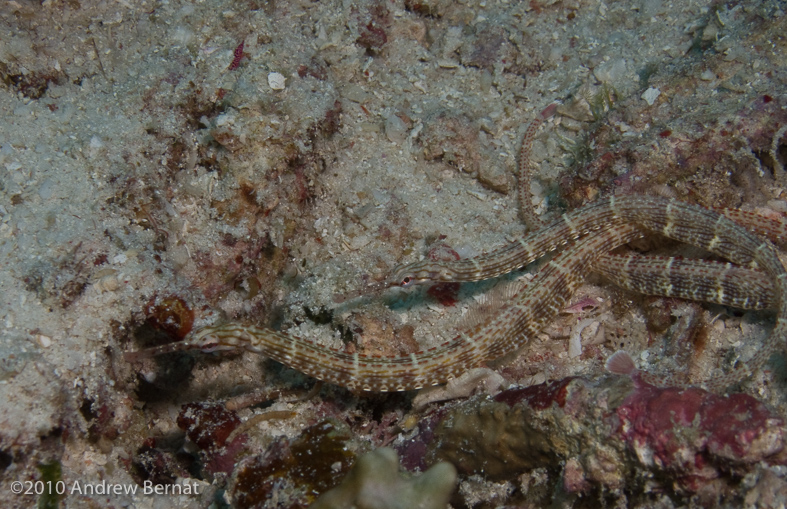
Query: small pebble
{"points": [[395, 129], [650, 95], [276, 81]]}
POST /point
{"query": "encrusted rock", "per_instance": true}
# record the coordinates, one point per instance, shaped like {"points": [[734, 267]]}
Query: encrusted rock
{"points": [[603, 436]]}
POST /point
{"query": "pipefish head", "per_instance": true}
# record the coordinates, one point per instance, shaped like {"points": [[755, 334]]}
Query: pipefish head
{"points": [[153, 351], [418, 273], [218, 338], [402, 276], [204, 340]]}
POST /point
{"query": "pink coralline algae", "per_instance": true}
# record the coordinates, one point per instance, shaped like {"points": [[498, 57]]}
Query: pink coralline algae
{"points": [[694, 433]]}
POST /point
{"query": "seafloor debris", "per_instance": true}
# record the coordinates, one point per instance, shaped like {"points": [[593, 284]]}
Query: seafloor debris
{"points": [[376, 483], [453, 139]]}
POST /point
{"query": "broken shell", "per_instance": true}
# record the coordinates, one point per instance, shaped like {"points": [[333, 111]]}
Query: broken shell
{"points": [[276, 81], [650, 95]]}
